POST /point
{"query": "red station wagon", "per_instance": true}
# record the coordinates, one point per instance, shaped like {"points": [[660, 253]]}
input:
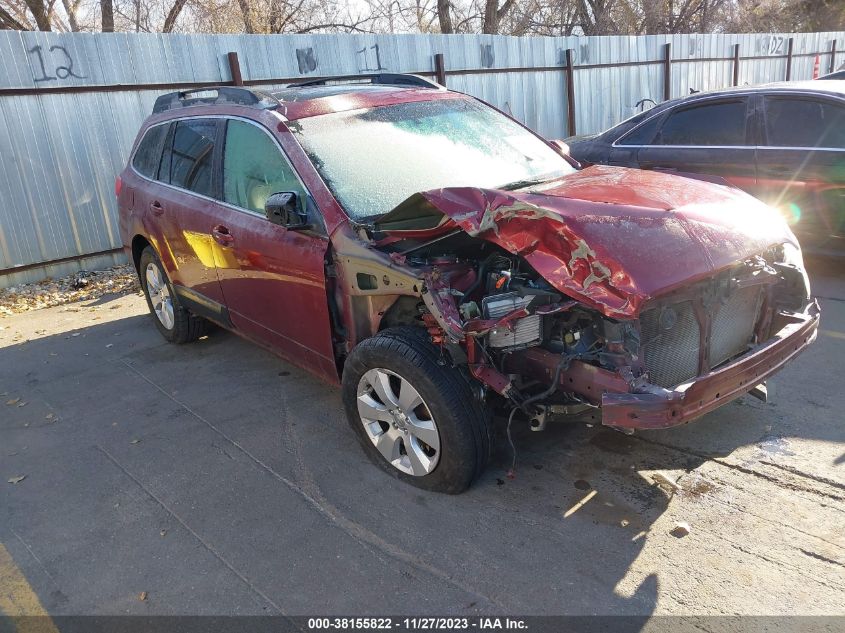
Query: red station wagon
{"points": [[440, 262]]}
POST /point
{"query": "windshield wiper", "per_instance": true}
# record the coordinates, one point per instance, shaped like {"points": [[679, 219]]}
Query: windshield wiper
{"points": [[527, 182]]}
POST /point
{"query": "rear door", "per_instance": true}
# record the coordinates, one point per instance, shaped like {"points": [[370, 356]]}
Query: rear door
{"points": [[801, 165], [182, 205], [713, 137]]}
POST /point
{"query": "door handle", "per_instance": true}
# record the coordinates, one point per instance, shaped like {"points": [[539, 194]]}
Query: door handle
{"points": [[156, 208], [222, 236]]}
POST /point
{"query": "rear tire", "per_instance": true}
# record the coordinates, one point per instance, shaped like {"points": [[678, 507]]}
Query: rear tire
{"points": [[175, 323], [416, 416]]}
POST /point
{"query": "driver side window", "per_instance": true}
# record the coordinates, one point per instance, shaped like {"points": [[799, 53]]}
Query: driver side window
{"points": [[254, 168]]}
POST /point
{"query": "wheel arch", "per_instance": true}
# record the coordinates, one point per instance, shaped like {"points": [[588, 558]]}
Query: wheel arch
{"points": [[139, 243]]}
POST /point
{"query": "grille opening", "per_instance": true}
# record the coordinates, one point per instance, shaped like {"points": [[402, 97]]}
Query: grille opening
{"points": [[671, 336]]}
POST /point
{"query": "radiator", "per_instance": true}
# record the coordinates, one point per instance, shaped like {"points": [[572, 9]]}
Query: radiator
{"points": [[671, 335]]}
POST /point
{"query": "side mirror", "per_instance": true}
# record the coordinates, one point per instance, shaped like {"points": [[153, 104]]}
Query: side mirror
{"points": [[283, 209], [560, 146]]}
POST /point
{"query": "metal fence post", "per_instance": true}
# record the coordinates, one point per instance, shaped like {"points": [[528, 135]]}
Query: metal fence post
{"points": [[667, 71], [570, 93], [736, 64], [789, 60], [235, 69], [440, 69], [832, 66]]}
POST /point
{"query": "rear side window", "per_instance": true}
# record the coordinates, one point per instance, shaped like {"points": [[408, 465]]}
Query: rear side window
{"points": [[804, 123], [720, 123], [191, 160], [148, 154], [254, 168]]}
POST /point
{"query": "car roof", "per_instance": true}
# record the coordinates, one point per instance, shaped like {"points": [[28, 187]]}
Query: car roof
{"points": [[832, 86], [307, 101]]}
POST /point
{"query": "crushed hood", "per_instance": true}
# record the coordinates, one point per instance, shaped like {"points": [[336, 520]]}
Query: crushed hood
{"points": [[610, 237]]}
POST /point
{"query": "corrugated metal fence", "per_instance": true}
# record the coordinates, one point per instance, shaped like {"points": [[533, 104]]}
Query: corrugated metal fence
{"points": [[72, 103]]}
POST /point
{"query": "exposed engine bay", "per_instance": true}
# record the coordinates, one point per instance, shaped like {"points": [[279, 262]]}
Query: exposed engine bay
{"points": [[562, 308]]}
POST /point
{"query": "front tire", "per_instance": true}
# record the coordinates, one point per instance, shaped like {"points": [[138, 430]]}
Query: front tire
{"points": [[175, 323], [415, 415]]}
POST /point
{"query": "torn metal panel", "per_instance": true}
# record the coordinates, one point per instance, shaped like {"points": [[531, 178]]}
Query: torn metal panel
{"points": [[611, 237]]}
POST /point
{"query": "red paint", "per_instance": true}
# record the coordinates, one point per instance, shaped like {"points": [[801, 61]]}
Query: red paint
{"points": [[608, 238], [371, 98], [639, 234]]}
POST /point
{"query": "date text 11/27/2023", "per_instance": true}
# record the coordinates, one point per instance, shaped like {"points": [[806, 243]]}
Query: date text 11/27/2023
{"points": [[417, 624]]}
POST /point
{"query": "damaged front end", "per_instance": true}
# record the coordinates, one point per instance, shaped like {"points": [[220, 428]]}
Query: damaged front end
{"points": [[637, 315]]}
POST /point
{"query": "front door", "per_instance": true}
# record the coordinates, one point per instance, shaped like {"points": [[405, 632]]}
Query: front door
{"points": [[712, 138], [273, 279]]}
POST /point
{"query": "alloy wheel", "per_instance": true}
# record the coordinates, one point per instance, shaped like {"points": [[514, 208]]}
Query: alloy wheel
{"points": [[398, 422], [159, 294]]}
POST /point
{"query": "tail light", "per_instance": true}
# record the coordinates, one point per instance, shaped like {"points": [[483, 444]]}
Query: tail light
{"points": [[118, 185]]}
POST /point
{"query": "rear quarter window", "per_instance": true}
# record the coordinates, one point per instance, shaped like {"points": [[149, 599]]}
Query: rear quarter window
{"points": [[190, 161], [148, 155], [642, 135]]}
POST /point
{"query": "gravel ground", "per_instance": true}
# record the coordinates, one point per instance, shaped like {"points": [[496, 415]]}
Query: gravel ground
{"points": [[82, 286]]}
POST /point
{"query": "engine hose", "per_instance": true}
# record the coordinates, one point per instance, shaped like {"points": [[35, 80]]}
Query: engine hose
{"points": [[563, 364]]}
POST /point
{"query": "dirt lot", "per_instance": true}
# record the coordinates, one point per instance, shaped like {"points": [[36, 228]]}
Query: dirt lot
{"points": [[216, 479]]}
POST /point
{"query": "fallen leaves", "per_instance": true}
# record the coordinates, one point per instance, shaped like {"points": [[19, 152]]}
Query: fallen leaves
{"points": [[16, 480], [12, 402], [80, 286], [142, 596]]}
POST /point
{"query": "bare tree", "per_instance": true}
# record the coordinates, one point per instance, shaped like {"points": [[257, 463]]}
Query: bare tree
{"points": [[7, 21], [172, 15], [493, 14], [444, 17], [71, 9], [40, 13], [107, 16]]}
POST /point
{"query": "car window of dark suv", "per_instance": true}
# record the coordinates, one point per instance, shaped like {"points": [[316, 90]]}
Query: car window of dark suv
{"points": [[188, 161], [712, 124], [642, 134], [804, 123], [253, 167]]}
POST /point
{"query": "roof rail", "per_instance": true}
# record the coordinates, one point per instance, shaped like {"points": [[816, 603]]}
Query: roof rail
{"points": [[387, 79], [215, 95]]}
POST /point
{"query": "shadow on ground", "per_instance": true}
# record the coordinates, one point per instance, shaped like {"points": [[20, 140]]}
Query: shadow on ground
{"points": [[220, 479]]}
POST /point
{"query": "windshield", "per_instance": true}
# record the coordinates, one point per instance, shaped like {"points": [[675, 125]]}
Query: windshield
{"points": [[374, 159]]}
